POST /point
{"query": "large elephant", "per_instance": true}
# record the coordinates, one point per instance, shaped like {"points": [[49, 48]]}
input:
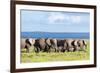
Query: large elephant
{"points": [[23, 43], [48, 44], [54, 44], [70, 45], [82, 44], [27, 43], [40, 45], [75, 45], [62, 45]]}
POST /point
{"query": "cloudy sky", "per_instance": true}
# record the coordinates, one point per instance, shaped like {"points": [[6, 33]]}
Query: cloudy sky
{"points": [[50, 21]]}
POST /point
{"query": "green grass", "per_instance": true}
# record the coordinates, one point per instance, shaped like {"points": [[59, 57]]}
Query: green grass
{"points": [[45, 57]]}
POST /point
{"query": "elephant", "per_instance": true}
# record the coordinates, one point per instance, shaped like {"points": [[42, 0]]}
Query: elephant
{"points": [[40, 45], [62, 45], [23, 43], [85, 43], [27, 43], [32, 41], [70, 45], [48, 44], [58, 45], [37, 46], [82, 44], [75, 45], [54, 44]]}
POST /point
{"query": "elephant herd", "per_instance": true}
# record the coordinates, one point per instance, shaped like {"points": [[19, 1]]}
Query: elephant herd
{"points": [[57, 45]]}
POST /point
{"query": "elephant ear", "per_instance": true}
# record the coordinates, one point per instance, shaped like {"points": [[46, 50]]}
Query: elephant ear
{"points": [[32, 41], [78, 43], [84, 42], [27, 42], [73, 43]]}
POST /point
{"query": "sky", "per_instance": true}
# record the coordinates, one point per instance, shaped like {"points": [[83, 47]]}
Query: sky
{"points": [[58, 21]]}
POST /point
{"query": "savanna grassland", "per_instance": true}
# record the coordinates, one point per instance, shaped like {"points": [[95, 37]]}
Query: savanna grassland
{"points": [[52, 56]]}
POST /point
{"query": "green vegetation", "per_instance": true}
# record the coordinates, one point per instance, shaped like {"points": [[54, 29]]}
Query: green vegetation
{"points": [[45, 57]]}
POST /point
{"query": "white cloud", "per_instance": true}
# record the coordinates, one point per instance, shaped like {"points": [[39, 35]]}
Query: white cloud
{"points": [[75, 19], [57, 18]]}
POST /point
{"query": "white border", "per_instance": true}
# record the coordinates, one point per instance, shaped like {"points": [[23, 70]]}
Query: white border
{"points": [[52, 64]]}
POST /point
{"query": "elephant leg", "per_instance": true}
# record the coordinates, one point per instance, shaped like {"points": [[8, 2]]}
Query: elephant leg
{"points": [[84, 48], [70, 49], [33, 49], [27, 49], [59, 49], [49, 49], [63, 50], [56, 50], [37, 50]]}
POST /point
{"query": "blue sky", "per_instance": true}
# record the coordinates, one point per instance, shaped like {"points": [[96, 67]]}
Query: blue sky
{"points": [[50, 21]]}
